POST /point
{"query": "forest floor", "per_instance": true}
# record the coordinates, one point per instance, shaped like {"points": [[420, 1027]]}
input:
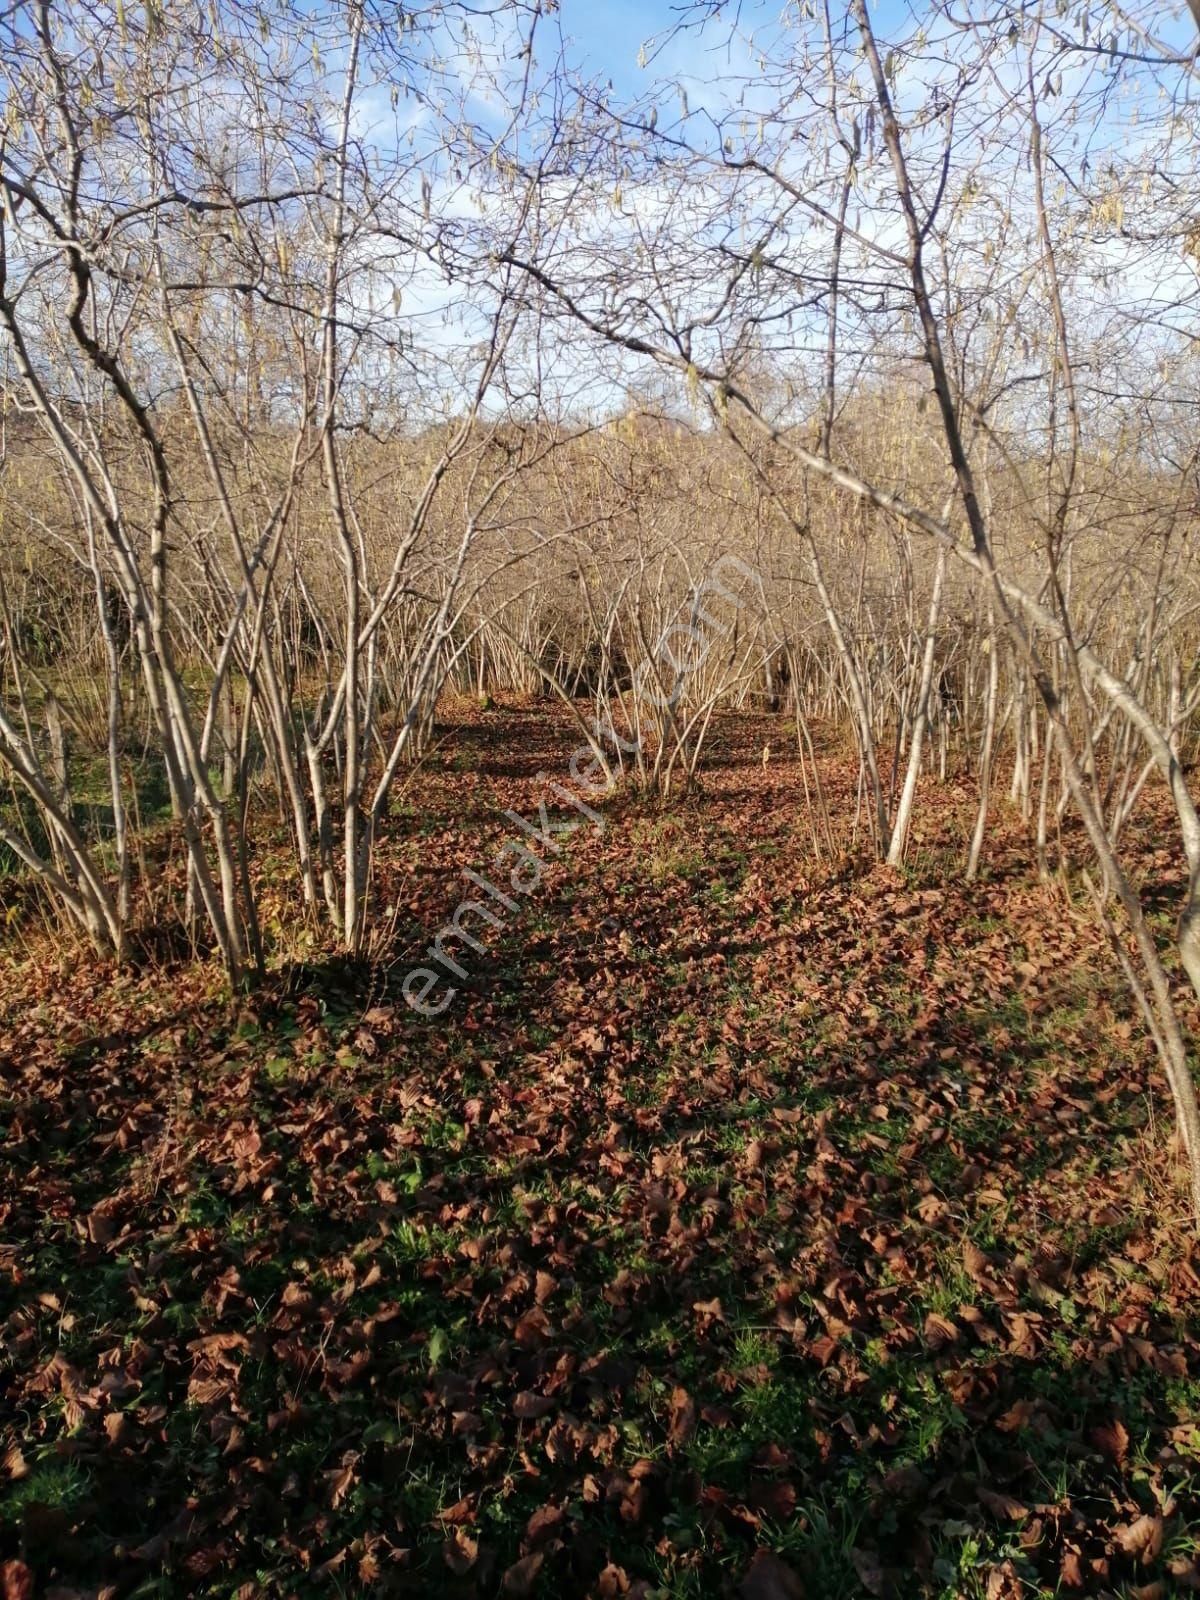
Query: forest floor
{"points": [[748, 1225]]}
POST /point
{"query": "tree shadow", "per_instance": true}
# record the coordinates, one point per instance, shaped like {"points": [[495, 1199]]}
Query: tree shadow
{"points": [[698, 1225]]}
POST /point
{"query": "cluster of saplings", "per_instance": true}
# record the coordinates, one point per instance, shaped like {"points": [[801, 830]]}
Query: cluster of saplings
{"points": [[320, 330]]}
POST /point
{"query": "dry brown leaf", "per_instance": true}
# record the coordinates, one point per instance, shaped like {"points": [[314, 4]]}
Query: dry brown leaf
{"points": [[870, 1571], [1004, 1584], [683, 1417], [527, 1405], [775, 1500], [1070, 1569], [460, 1552], [545, 1285], [462, 1511], [522, 1575], [976, 1263], [543, 1524], [1003, 1506], [906, 1483], [1141, 1538], [823, 1349], [709, 1308], [940, 1331], [769, 1578], [16, 1581], [1017, 1416], [1112, 1441], [340, 1481]]}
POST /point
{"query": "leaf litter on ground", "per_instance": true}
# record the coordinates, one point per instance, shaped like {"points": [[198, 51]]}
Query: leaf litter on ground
{"points": [[750, 1226]]}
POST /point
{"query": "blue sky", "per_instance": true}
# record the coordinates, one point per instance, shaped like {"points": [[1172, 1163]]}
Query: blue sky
{"points": [[605, 37], [608, 33]]}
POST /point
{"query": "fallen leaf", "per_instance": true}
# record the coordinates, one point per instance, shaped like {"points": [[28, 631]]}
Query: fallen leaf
{"points": [[776, 1500], [769, 1578], [340, 1481], [544, 1287], [1070, 1569], [520, 1578], [1142, 1538], [683, 1417], [711, 1309], [460, 1552], [543, 1524], [1112, 1441], [16, 1581], [940, 1331], [1004, 1584], [1017, 1416], [870, 1571], [461, 1512], [906, 1483], [976, 1263], [527, 1405], [1002, 1506]]}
